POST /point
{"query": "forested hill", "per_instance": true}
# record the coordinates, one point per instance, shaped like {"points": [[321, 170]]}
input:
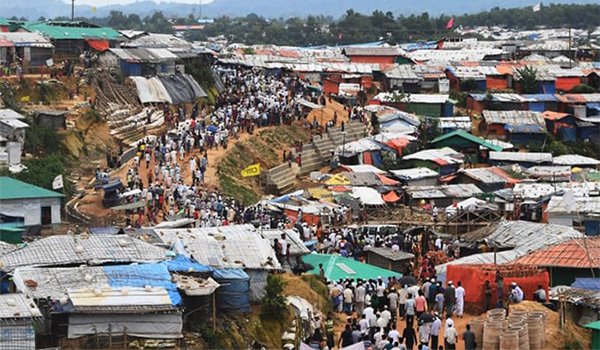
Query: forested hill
{"points": [[354, 27]]}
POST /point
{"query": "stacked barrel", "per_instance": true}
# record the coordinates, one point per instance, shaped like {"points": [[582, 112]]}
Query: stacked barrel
{"points": [[521, 330]]}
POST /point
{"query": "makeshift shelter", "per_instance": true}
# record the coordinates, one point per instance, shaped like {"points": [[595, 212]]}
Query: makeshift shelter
{"points": [[140, 62], [512, 239], [487, 179], [416, 176], [583, 211], [228, 247], [234, 293], [576, 160], [293, 239], [516, 126], [66, 250], [337, 267], [586, 283], [567, 261], [441, 195], [389, 259], [18, 316], [52, 119], [467, 143], [30, 205], [595, 327], [367, 196], [474, 276], [445, 160], [527, 159]]}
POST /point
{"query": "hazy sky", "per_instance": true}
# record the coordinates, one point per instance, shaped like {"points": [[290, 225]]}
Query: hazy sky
{"points": [[124, 2]]}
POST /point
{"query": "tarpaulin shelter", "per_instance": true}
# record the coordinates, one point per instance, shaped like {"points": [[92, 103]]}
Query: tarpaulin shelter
{"points": [[587, 283], [97, 44], [367, 196], [337, 267], [234, 293], [473, 278], [391, 197]]}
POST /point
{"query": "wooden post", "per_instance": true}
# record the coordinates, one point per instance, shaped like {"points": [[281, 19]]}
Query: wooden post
{"points": [[125, 338], [110, 336], [214, 311]]}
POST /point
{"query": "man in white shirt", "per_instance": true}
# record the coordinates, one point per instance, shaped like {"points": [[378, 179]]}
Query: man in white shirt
{"points": [[360, 298], [386, 314], [435, 331], [460, 299], [364, 325], [451, 336], [394, 334], [402, 297]]}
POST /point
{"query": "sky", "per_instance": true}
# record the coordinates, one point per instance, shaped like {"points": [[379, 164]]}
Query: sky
{"points": [[124, 2]]}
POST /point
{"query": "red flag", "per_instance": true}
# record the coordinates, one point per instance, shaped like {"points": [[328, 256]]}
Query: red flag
{"points": [[410, 38], [450, 23], [340, 36]]}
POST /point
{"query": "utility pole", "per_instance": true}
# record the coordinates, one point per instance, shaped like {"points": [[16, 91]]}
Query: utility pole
{"points": [[199, 9], [72, 10], [570, 54]]}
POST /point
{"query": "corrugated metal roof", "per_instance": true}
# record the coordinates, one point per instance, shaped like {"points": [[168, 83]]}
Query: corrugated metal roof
{"points": [[59, 32], [488, 175], [404, 72], [6, 248], [578, 296], [468, 136], [388, 253], [413, 98], [453, 55], [588, 206], [414, 173], [574, 160], [442, 156], [94, 250], [576, 253], [528, 157], [7, 113], [143, 54], [292, 238], [24, 39], [540, 190], [446, 191], [229, 247], [522, 236], [17, 305], [514, 118], [373, 51], [14, 189], [156, 40], [578, 98], [14, 123]]}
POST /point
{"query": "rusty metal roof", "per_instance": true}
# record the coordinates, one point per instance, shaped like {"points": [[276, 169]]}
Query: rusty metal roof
{"points": [[576, 253]]}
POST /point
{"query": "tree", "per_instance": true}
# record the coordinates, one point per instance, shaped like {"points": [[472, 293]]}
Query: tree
{"points": [[528, 78], [273, 304]]}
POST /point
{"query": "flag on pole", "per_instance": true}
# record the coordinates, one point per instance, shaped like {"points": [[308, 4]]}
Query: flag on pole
{"points": [[340, 36], [450, 23], [252, 170], [537, 7], [58, 182], [93, 9]]}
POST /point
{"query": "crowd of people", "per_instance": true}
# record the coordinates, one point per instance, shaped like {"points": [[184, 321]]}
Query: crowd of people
{"points": [[384, 314]]}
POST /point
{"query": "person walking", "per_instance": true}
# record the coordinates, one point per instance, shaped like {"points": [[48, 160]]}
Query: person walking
{"points": [[460, 299], [469, 338], [410, 337], [450, 335], [449, 298], [436, 326], [410, 311]]}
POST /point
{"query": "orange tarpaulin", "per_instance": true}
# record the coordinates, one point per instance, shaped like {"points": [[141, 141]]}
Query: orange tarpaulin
{"points": [[98, 45], [390, 197], [387, 181]]}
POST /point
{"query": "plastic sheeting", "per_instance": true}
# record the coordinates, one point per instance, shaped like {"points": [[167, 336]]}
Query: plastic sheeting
{"points": [[159, 326], [155, 275], [184, 264], [234, 293], [368, 196], [258, 283], [151, 90], [587, 283], [182, 88]]}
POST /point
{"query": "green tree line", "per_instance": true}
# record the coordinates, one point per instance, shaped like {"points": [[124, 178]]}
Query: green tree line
{"points": [[354, 27]]}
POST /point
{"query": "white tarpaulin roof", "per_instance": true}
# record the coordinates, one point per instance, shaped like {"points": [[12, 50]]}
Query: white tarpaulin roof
{"points": [[151, 90], [367, 196]]}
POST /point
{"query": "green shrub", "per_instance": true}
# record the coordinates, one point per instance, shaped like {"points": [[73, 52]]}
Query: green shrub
{"points": [[273, 304]]}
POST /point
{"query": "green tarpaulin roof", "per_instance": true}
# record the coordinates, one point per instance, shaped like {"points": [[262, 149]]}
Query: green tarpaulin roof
{"points": [[70, 32], [593, 325], [337, 267], [15, 189], [470, 137], [3, 21]]}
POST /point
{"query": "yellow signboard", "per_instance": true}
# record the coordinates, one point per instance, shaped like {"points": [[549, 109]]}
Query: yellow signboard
{"points": [[252, 170]]}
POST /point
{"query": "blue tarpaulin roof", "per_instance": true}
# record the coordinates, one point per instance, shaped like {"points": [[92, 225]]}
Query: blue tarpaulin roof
{"points": [[541, 97], [230, 274], [155, 275], [593, 105], [183, 264], [587, 283]]}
